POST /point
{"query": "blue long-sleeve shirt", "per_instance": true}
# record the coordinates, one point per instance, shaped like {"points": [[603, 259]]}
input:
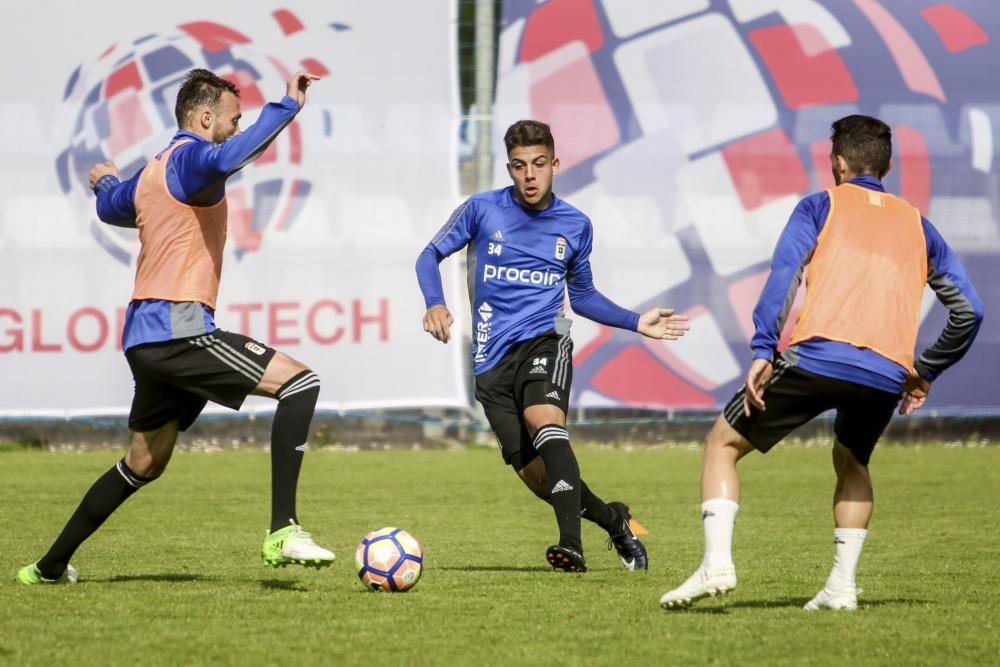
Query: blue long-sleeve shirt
{"points": [[521, 263], [945, 275], [196, 175]]}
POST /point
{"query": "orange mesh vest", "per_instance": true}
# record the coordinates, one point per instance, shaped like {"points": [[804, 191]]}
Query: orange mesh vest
{"points": [[181, 254], [867, 275]]}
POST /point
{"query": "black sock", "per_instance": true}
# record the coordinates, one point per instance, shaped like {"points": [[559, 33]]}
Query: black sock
{"points": [[563, 479], [592, 508], [596, 510], [289, 433], [105, 496]]}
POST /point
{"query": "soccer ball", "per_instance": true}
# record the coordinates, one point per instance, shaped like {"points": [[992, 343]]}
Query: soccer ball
{"points": [[389, 559]]}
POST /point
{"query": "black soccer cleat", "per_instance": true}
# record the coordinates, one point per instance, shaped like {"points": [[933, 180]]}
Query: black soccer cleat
{"points": [[631, 551], [564, 558]]}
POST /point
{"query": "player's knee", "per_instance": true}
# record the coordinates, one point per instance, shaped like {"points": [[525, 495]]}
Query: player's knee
{"points": [[726, 442], [846, 464], [138, 474], [534, 481], [301, 389], [533, 476]]}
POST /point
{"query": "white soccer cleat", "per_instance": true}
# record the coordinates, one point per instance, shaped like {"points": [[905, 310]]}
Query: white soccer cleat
{"points": [[827, 599], [703, 583]]}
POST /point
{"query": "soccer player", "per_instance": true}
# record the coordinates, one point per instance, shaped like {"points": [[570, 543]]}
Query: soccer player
{"points": [[526, 247], [866, 256], [179, 359]]}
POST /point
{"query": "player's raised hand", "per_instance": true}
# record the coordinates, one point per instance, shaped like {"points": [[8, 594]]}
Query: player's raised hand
{"points": [[915, 391], [662, 323], [297, 86], [100, 170], [757, 377], [437, 322]]}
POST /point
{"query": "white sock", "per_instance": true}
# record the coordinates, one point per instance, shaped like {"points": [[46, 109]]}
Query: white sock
{"points": [[849, 542], [718, 516]]}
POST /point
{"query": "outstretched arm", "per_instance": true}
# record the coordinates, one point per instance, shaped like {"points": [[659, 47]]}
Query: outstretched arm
{"points": [[203, 167], [115, 199], [659, 323]]}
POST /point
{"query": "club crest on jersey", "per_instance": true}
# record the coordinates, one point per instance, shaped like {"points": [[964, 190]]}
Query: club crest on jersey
{"points": [[560, 248], [255, 348]]}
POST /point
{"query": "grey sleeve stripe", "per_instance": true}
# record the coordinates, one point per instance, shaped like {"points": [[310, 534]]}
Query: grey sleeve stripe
{"points": [[450, 225], [958, 333], [793, 289]]}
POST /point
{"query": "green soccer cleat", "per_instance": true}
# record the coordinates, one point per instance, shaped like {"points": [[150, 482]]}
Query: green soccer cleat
{"points": [[30, 576], [293, 546]]}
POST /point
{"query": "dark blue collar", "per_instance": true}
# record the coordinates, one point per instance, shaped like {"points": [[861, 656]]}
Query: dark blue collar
{"points": [[869, 182]]}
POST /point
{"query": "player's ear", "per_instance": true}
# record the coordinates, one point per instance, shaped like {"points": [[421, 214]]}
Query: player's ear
{"points": [[205, 118], [555, 166], [838, 165]]}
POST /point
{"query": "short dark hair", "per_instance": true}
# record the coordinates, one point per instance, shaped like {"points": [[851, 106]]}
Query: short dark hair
{"points": [[864, 142], [201, 87], [529, 133]]}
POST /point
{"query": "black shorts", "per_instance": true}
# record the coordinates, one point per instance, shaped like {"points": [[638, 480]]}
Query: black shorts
{"points": [[794, 396], [538, 371], [175, 379]]}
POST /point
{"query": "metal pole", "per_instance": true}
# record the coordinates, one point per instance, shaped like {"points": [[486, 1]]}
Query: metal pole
{"points": [[485, 67]]}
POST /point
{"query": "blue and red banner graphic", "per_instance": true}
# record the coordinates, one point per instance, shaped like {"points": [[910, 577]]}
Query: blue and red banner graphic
{"points": [[689, 129]]}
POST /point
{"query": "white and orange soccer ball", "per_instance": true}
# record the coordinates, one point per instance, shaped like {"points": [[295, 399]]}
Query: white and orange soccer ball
{"points": [[389, 559]]}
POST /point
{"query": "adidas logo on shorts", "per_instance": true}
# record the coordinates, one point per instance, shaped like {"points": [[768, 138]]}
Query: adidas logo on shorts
{"points": [[538, 369], [552, 394]]}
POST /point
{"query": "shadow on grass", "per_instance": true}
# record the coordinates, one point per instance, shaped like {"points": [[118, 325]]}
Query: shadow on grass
{"points": [[176, 578], [282, 585], [494, 568], [723, 607]]}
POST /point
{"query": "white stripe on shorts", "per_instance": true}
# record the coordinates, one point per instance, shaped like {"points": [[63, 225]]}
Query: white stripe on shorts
{"points": [[231, 359]]}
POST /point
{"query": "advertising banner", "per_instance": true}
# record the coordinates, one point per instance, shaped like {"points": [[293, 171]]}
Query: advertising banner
{"points": [[324, 227]]}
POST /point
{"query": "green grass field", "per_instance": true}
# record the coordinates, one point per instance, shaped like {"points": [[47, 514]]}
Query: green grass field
{"points": [[175, 578]]}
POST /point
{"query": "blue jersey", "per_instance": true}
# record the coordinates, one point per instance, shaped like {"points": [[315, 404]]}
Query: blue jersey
{"points": [[196, 175], [520, 264], [945, 275]]}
